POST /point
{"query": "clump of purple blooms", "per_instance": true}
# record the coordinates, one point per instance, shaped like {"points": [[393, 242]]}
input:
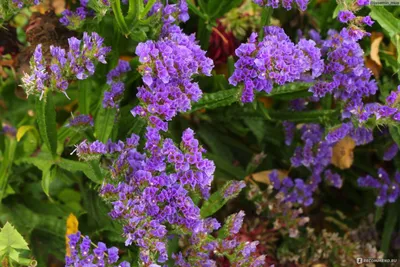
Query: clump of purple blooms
{"points": [[21, 3], [391, 152], [168, 67], [274, 60], [74, 19], [203, 248], [287, 4], [113, 96], [81, 121], [76, 63], [389, 190], [349, 78], [9, 130], [85, 253]]}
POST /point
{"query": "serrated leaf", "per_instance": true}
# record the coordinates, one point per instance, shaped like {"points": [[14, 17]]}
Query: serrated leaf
{"points": [[46, 119], [218, 99], [10, 238], [290, 88]]}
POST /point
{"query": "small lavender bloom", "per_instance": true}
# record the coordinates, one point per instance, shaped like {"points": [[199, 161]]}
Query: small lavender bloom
{"points": [[391, 152], [287, 4], [367, 21], [363, 2], [81, 121], [333, 179], [289, 130], [235, 222], [345, 16], [339, 133], [84, 255], [234, 189], [389, 190]]}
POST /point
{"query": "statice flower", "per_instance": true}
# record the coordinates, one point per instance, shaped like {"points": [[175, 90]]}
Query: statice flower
{"points": [[333, 179], [367, 21], [350, 79], [113, 96], [274, 60], [21, 3], [73, 20], [84, 253], [345, 16], [287, 4], [76, 63], [90, 151], [203, 246], [389, 190], [172, 14], [168, 67], [289, 130], [80, 122], [150, 191], [316, 153], [292, 190], [391, 152]]}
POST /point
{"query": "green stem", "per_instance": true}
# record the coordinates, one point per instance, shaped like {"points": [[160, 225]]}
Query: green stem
{"points": [[194, 9], [133, 11], [119, 17], [266, 15], [147, 8]]}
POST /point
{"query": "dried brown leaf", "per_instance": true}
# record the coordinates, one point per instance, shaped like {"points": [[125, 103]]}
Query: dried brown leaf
{"points": [[342, 154]]}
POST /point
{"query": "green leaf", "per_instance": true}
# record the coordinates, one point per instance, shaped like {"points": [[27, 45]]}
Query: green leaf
{"points": [[46, 119], [290, 88], [395, 133], [85, 94], [339, 7], [24, 129], [48, 177], [386, 19], [104, 123], [303, 116], [218, 99], [10, 238], [91, 169], [216, 201], [388, 228], [7, 161]]}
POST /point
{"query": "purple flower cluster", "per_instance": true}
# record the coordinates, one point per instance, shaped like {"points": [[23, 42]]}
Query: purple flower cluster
{"points": [[78, 62], [83, 254], [350, 79], [389, 190], [287, 4], [171, 13], [294, 191], [274, 60], [81, 121], [388, 112], [289, 130], [315, 154], [168, 66], [74, 19], [347, 16], [20, 3], [360, 135], [113, 96], [150, 190], [203, 246]]}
